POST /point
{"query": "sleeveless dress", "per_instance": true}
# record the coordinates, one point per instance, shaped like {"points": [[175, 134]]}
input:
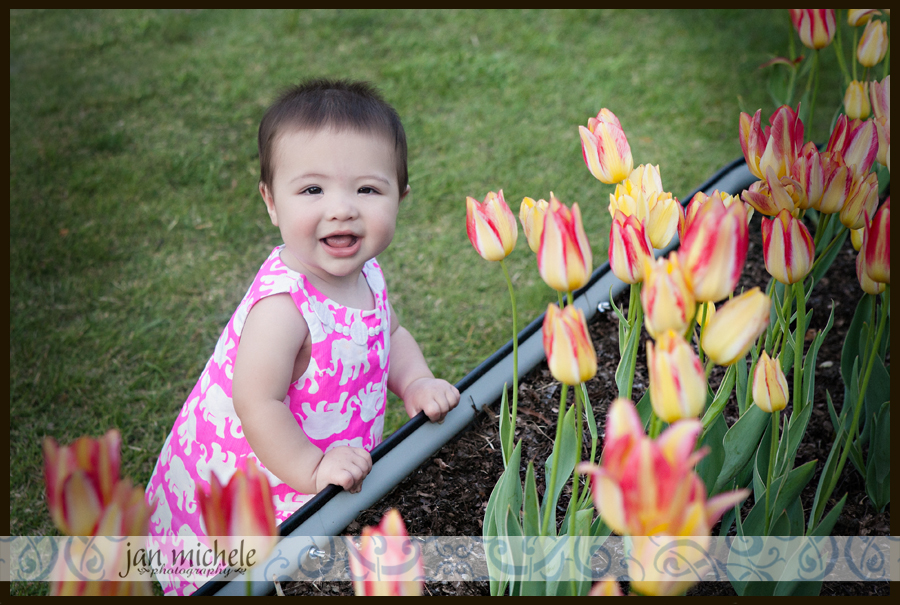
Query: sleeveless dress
{"points": [[339, 400]]}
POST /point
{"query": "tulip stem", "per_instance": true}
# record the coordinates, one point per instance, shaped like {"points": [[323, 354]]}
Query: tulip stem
{"points": [[578, 439], [773, 451], [635, 321], [545, 526], [515, 341], [855, 38], [799, 335], [839, 51]]}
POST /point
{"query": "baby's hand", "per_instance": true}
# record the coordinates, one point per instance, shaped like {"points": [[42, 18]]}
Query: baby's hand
{"points": [[433, 396], [343, 466]]}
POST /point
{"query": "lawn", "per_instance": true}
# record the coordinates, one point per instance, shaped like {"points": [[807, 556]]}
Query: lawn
{"points": [[136, 225]]}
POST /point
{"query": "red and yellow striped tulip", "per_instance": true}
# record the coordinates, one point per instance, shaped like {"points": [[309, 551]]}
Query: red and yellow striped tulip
{"points": [[570, 353], [697, 202], [531, 215], [605, 148], [564, 257], [242, 507], [666, 298], [860, 16], [788, 248], [387, 563], [865, 282], [776, 147], [735, 327], [816, 26], [808, 173], [861, 201], [881, 108], [838, 181], [491, 226], [677, 380], [647, 487], [873, 45], [628, 247], [641, 195], [856, 100], [81, 481], [770, 388], [714, 249], [877, 245], [855, 143]]}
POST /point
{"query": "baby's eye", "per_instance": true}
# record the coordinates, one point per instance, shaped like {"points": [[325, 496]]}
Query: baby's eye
{"points": [[367, 190], [313, 190]]}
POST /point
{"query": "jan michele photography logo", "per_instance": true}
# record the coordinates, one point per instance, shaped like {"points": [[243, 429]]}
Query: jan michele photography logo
{"points": [[201, 560]]}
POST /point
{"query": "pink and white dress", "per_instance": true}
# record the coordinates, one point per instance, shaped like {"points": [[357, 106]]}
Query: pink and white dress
{"points": [[339, 400]]}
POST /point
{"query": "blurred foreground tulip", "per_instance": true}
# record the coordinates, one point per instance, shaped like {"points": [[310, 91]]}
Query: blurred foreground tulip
{"points": [[788, 248], [816, 26], [387, 563], [709, 309], [860, 16], [243, 507], [770, 388], [607, 587], [647, 487], [567, 344], [564, 258], [666, 298], [873, 45], [881, 108], [877, 242], [531, 215], [491, 226], [736, 326], [628, 247], [856, 100], [776, 147], [714, 249], [605, 148], [677, 380]]}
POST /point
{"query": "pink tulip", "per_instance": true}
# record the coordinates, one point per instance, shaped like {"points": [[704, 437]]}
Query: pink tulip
{"points": [[788, 248], [491, 226], [605, 148], [564, 258], [877, 245], [776, 147], [666, 298], [387, 563], [816, 26], [628, 247], [570, 353], [714, 249]]}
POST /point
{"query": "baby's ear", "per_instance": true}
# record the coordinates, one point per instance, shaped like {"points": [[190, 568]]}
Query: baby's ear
{"points": [[405, 193], [266, 194]]}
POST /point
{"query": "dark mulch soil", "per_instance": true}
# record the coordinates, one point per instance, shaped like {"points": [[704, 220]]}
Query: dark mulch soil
{"points": [[447, 495]]}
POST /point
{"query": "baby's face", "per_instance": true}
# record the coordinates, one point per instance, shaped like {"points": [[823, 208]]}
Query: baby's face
{"points": [[335, 198]]}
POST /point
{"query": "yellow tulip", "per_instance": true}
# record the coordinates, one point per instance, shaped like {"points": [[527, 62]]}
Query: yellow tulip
{"points": [[873, 45], [856, 100], [666, 298], [567, 344], [736, 326], [531, 215], [677, 380], [770, 388]]}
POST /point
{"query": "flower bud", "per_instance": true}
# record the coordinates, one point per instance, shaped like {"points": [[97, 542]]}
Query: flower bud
{"points": [[736, 326], [677, 380], [770, 388]]}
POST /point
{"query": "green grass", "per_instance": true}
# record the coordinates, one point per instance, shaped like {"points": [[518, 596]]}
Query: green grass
{"points": [[136, 225]]}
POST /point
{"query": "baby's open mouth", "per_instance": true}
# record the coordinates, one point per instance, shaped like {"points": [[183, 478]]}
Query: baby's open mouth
{"points": [[340, 241]]}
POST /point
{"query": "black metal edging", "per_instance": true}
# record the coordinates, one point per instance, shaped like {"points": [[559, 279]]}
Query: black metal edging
{"points": [[315, 504]]}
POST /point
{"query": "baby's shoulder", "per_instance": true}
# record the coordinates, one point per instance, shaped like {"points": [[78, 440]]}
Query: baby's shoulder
{"points": [[276, 316]]}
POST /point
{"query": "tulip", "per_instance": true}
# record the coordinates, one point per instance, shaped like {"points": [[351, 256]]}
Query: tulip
{"points": [[387, 563], [647, 487], [531, 214], [735, 327], [854, 143], [491, 226], [861, 201], [877, 251], [865, 282], [873, 45], [607, 587], [788, 248], [816, 26], [567, 344], [856, 100], [856, 238], [776, 147], [677, 380], [860, 16], [838, 180], [564, 256], [709, 309], [641, 195], [628, 247], [770, 388], [667, 301], [605, 148], [714, 249], [881, 107], [697, 202], [243, 507], [81, 481], [808, 173]]}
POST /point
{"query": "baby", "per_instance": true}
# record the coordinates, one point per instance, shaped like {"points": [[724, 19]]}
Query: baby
{"points": [[298, 381]]}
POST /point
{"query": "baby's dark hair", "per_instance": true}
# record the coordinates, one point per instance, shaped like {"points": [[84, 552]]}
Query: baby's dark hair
{"points": [[339, 104]]}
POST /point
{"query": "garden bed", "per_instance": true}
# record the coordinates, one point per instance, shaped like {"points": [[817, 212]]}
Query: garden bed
{"points": [[448, 493]]}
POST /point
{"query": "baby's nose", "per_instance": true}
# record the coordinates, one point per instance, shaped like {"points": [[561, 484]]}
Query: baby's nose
{"points": [[343, 208]]}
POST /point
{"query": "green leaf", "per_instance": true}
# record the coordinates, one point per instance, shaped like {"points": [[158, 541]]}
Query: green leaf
{"points": [[515, 554], [809, 364], [741, 390], [624, 373], [877, 392], [591, 422], [645, 409], [507, 493], [795, 433], [791, 486], [711, 465], [740, 443], [878, 468], [718, 402], [568, 457], [824, 262], [851, 349], [506, 427], [824, 528], [531, 518]]}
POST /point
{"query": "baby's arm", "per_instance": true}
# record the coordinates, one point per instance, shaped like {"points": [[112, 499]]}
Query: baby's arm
{"points": [[273, 335], [411, 380]]}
